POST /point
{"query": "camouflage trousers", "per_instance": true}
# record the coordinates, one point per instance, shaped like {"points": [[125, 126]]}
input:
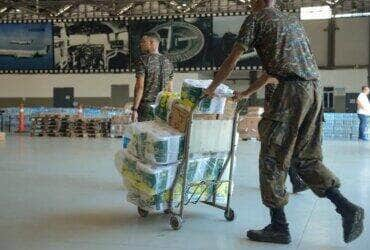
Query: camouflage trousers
{"points": [[145, 112], [291, 135]]}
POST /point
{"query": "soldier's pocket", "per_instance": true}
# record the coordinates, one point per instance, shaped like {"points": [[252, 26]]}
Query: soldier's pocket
{"points": [[273, 132], [279, 133]]}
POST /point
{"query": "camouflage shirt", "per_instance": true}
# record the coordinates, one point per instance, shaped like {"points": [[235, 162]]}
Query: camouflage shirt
{"points": [[281, 43], [157, 71]]}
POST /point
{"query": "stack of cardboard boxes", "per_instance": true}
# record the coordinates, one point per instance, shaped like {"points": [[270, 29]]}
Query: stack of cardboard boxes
{"points": [[248, 124]]}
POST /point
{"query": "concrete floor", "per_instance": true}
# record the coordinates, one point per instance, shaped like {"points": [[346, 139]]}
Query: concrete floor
{"points": [[61, 193]]}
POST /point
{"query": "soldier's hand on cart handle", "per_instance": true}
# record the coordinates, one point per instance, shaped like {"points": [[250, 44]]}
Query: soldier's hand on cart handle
{"points": [[238, 96], [210, 92], [134, 116]]}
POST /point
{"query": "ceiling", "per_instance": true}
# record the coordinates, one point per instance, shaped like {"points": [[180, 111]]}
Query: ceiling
{"points": [[18, 9]]}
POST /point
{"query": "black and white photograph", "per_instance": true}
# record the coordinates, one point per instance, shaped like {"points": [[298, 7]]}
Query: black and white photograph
{"points": [[186, 42], [225, 33], [96, 45]]}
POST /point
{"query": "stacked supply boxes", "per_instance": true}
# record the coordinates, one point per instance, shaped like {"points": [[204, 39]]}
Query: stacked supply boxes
{"points": [[149, 161], [153, 151], [248, 124], [341, 126]]}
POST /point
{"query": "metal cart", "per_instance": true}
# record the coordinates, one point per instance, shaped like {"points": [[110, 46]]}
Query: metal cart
{"points": [[188, 190]]}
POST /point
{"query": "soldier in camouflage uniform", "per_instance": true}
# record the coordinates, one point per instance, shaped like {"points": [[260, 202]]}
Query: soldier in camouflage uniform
{"points": [[154, 73], [297, 183], [291, 130]]}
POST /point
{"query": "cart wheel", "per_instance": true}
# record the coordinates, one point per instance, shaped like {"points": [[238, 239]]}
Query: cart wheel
{"points": [[175, 222], [229, 215], [143, 213]]}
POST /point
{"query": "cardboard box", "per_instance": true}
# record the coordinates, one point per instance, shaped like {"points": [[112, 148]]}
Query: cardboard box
{"points": [[255, 111], [179, 117], [248, 127], [2, 136]]}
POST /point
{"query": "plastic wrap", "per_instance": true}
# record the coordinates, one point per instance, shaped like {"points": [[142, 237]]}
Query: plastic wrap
{"points": [[163, 105], [192, 90], [147, 179], [155, 142], [200, 168]]}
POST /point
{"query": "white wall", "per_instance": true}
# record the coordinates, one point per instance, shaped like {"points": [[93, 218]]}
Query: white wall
{"points": [[315, 30], [352, 40], [85, 85], [350, 79]]}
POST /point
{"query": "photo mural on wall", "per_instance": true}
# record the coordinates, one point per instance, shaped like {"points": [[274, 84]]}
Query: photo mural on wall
{"points": [[26, 46], [185, 41], [225, 33], [93, 45]]}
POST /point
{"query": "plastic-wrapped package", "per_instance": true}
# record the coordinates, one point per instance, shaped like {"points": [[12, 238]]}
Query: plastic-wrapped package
{"points": [[192, 90], [200, 168], [155, 142], [163, 104], [148, 179]]}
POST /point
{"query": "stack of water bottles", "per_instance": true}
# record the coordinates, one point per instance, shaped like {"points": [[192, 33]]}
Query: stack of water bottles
{"points": [[341, 126]]}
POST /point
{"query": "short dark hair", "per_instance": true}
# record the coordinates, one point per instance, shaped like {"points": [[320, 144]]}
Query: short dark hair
{"points": [[364, 87], [269, 2], [153, 35]]}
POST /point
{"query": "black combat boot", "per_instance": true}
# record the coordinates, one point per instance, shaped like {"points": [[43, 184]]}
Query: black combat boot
{"points": [[352, 215], [297, 182], [276, 232]]}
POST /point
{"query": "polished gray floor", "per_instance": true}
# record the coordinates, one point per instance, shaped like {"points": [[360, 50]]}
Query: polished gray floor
{"points": [[60, 193]]}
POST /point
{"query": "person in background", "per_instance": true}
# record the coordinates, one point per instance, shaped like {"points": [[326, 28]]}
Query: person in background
{"points": [[363, 111], [291, 130], [154, 73]]}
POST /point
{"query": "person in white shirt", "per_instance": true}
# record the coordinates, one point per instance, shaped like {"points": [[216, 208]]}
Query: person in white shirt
{"points": [[363, 111]]}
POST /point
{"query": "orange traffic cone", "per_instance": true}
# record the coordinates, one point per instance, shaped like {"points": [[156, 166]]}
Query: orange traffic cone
{"points": [[21, 120]]}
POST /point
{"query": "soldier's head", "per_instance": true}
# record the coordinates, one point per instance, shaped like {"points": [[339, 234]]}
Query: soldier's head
{"points": [[149, 42], [366, 90], [258, 5]]}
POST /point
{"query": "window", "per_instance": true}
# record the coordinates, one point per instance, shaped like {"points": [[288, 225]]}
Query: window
{"points": [[328, 99]]}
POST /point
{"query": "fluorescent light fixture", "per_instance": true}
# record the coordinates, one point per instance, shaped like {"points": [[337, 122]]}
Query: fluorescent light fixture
{"points": [[315, 13], [61, 11], [126, 8], [352, 15], [3, 10], [17, 10]]}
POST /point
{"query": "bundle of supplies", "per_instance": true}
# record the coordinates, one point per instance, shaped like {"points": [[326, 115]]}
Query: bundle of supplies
{"points": [[192, 91], [154, 142], [143, 177], [149, 186], [164, 103]]}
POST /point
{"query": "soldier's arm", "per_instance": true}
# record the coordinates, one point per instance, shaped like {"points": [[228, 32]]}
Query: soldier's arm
{"points": [[244, 42], [139, 90], [226, 68], [259, 83]]}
